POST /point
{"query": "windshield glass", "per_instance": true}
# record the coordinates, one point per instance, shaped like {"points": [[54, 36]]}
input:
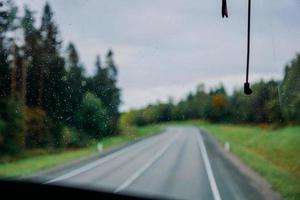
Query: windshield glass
{"points": [[146, 97]]}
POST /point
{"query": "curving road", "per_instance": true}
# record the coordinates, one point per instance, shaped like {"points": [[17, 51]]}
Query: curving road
{"points": [[179, 163]]}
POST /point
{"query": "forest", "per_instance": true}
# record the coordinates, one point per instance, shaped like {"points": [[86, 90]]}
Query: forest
{"points": [[46, 98], [273, 102]]}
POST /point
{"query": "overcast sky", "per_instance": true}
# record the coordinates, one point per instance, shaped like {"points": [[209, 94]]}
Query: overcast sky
{"points": [[167, 47]]}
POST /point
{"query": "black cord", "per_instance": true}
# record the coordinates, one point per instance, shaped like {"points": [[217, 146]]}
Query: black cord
{"points": [[224, 9], [247, 89]]}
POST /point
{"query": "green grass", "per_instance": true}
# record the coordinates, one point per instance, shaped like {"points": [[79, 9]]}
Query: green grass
{"points": [[46, 160], [33, 164], [130, 134], [273, 153]]}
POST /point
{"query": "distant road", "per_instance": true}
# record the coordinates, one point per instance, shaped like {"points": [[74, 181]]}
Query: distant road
{"points": [[180, 163]]}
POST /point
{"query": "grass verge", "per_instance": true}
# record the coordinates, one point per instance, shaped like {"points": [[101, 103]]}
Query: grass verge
{"points": [[37, 163], [273, 153]]}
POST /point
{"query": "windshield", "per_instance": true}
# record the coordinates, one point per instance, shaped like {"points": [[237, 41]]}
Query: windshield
{"points": [[146, 97]]}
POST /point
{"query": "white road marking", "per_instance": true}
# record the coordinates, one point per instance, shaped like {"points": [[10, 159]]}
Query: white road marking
{"points": [[148, 164], [95, 164], [208, 168]]}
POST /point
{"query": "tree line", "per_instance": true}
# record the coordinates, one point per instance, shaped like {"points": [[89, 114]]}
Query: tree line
{"points": [[46, 98], [272, 102]]}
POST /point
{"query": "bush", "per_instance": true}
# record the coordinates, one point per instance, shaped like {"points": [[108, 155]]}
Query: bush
{"points": [[133, 117], [219, 108], [54, 130], [92, 117], [2, 129], [11, 126], [73, 138], [35, 133], [296, 102]]}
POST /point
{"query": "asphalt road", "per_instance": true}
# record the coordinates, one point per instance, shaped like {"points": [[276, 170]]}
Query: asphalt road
{"points": [[180, 163]]}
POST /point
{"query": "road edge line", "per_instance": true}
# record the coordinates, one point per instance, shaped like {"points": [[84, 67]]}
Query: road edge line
{"points": [[209, 172], [257, 181]]}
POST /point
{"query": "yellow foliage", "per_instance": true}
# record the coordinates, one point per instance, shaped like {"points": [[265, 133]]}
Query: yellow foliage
{"points": [[219, 102]]}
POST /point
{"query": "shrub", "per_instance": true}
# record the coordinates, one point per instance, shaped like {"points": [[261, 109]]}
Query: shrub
{"points": [[73, 138], [11, 126], [35, 133], [92, 117]]}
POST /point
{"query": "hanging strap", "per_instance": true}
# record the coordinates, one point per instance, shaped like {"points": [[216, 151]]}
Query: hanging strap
{"points": [[247, 89], [224, 9]]}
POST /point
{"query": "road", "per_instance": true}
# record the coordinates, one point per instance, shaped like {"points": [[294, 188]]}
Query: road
{"points": [[179, 163]]}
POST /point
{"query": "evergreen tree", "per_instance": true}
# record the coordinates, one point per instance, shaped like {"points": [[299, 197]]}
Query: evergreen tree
{"points": [[92, 117], [33, 50], [100, 85], [7, 24], [100, 80], [105, 87], [11, 109], [53, 85], [290, 89], [53, 80], [76, 81], [111, 98]]}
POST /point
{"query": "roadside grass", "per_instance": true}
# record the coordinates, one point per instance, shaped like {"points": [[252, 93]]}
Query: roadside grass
{"points": [[36, 162], [273, 153]]}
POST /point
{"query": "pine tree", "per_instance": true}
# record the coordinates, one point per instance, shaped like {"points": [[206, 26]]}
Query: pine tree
{"points": [[53, 81], [32, 49], [290, 89], [7, 24], [105, 87], [18, 75], [76, 81], [99, 83], [11, 109], [112, 95], [53, 84]]}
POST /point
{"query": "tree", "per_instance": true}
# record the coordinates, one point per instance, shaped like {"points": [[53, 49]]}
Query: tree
{"points": [[75, 80], [296, 102], [105, 87], [11, 109], [263, 106], [11, 126], [219, 108], [290, 89], [92, 117], [7, 24], [42, 94], [53, 86], [113, 92], [35, 133], [33, 50], [240, 107], [99, 83], [52, 81]]}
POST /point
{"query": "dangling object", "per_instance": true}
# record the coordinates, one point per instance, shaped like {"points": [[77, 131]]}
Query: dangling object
{"points": [[247, 89], [224, 9]]}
